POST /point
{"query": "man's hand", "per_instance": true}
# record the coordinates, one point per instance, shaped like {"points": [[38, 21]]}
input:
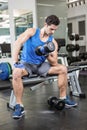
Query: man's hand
{"points": [[45, 49]]}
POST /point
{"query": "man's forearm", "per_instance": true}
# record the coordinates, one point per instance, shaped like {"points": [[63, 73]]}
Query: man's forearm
{"points": [[15, 55]]}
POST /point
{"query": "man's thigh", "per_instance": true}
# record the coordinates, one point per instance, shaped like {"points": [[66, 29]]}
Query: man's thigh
{"points": [[58, 69], [43, 69]]}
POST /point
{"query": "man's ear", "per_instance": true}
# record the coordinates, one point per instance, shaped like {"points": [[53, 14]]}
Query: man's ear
{"points": [[45, 24]]}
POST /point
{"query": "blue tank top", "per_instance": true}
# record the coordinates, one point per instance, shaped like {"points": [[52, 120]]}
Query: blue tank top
{"points": [[28, 53]]}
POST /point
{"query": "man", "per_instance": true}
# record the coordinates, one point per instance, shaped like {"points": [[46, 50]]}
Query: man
{"points": [[30, 62]]}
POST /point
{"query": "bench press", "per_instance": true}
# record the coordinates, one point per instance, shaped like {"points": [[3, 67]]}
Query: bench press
{"points": [[38, 81]]}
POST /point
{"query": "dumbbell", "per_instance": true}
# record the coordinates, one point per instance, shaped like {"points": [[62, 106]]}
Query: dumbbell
{"points": [[56, 103], [71, 47], [74, 37], [45, 49]]}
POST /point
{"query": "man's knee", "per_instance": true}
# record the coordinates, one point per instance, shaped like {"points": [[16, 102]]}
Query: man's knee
{"points": [[64, 69], [17, 73]]}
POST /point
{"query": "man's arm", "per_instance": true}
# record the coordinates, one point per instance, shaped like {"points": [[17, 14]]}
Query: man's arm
{"points": [[20, 41], [53, 57]]}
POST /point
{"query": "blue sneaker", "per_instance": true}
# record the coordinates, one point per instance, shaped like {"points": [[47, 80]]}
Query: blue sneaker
{"points": [[19, 112], [69, 103]]}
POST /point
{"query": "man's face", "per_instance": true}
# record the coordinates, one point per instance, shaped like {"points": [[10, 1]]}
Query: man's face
{"points": [[50, 29]]}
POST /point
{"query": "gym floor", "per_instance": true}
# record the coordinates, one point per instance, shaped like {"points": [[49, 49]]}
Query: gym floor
{"points": [[39, 116]]}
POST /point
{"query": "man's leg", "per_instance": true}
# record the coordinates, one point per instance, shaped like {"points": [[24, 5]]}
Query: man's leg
{"points": [[18, 91], [61, 70]]}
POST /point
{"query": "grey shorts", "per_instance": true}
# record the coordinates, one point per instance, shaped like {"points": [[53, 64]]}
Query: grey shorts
{"points": [[40, 70]]}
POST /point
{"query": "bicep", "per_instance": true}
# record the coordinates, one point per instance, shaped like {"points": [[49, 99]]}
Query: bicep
{"points": [[53, 55], [55, 52], [56, 45]]}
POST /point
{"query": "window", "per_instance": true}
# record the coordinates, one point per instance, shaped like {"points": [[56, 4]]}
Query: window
{"points": [[69, 28], [81, 27]]}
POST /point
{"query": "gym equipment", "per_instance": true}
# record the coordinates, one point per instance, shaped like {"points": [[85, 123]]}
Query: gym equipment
{"points": [[5, 70], [72, 47], [77, 47], [74, 85], [83, 56], [61, 43], [45, 49], [56, 103], [73, 37], [77, 37], [5, 49], [72, 59], [75, 88]]}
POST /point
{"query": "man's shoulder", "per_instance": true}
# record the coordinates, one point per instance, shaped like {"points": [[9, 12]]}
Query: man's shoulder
{"points": [[31, 31]]}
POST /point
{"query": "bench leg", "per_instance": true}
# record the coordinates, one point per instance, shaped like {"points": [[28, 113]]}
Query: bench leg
{"points": [[12, 101], [75, 86]]}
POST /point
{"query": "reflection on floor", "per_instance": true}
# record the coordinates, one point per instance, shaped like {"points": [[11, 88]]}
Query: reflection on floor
{"points": [[39, 116]]}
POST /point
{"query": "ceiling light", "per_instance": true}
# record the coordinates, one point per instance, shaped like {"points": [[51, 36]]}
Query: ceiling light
{"points": [[39, 4], [3, 1], [71, 1]]}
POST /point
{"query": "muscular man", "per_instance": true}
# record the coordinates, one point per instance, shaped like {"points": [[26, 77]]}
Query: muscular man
{"points": [[31, 63]]}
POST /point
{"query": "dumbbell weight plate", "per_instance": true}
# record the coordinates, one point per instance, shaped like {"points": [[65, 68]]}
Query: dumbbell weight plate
{"points": [[77, 37], [51, 46], [50, 100], [60, 105], [77, 47], [70, 47], [10, 68], [5, 72], [71, 37]]}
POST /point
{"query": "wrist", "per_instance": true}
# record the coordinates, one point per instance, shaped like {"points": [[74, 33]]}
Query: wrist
{"points": [[15, 62]]}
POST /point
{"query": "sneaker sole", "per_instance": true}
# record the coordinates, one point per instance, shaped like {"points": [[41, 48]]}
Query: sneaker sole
{"points": [[69, 106]]}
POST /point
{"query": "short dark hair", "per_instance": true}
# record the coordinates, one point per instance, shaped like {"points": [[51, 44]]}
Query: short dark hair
{"points": [[52, 19]]}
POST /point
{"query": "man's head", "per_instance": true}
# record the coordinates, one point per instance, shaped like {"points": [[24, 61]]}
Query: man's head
{"points": [[52, 19], [51, 24]]}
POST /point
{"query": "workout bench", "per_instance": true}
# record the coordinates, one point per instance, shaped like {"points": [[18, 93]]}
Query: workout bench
{"points": [[39, 81]]}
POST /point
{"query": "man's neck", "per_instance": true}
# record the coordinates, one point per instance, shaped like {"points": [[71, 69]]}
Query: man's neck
{"points": [[43, 33]]}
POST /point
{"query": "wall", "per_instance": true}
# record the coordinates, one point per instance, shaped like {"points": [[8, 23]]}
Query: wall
{"points": [[76, 13], [20, 4], [56, 7]]}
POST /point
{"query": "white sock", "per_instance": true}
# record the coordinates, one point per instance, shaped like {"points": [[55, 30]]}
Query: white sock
{"points": [[21, 105], [62, 98]]}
